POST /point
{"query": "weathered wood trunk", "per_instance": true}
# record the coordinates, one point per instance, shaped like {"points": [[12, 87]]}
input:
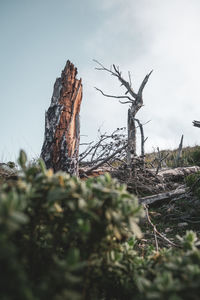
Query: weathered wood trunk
{"points": [[131, 150], [179, 153], [136, 104], [62, 126]]}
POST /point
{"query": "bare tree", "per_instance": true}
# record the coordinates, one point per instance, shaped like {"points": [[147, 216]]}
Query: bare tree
{"points": [[130, 97]]}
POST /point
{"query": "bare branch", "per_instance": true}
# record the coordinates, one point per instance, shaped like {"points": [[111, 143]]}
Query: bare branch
{"points": [[105, 160], [160, 159], [85, 153], [129, 75], [196, 123], [157, 232], [117, 74], [104, 147], [125, 102], [86, 144], [112, 96], [142, 138], [144, 82]]}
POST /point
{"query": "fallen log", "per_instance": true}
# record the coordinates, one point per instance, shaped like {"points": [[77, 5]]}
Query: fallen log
{"points": [[163, 196], [62, 126], [178, 174]]}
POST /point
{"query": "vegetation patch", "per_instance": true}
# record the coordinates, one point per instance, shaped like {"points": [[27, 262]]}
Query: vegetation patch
{"points": [[63, 238]]}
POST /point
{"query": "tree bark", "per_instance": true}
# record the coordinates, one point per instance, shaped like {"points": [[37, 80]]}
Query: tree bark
{"points": [[131, 150], [135, 107], [62, 125]]}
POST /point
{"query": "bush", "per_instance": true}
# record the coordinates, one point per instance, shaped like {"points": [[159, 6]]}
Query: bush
{"points": [[193, 182], [63, 238], [54, 228], [191, 156]]}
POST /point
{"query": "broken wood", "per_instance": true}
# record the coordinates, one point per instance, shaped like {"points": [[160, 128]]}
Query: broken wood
{"points": [[196, 123], [62, 126], [172, 175], [156, 232], [179, 154], [162, 196], [178, 174], [143, 140]]}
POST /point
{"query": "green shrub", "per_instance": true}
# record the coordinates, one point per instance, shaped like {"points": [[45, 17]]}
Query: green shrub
{"points": [[194, 156], [62, 238], [190, 157], [54, 228]]}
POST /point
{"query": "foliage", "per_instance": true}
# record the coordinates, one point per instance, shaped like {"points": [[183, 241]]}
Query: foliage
{"points": [[194, 157], [53, 227], [63, 238]]}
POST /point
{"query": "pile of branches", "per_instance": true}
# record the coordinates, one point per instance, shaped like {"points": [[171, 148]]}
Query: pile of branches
{"points": [[108, 151]]}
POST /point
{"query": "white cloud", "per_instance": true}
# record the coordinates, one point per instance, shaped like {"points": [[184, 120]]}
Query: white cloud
{"points": [[139, 36]]}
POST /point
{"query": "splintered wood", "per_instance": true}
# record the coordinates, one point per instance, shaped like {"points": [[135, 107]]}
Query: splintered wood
{"points": [[62, 125]]}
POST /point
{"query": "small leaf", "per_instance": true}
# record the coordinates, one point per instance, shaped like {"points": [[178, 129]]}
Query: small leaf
{"points": [[22, 159]]}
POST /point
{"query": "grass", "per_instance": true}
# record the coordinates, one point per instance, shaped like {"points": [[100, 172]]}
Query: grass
{"points": [[171, 219], [190, 157]]}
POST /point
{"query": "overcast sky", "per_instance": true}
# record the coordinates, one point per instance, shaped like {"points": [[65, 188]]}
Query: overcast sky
{"points": [[37, 38]]}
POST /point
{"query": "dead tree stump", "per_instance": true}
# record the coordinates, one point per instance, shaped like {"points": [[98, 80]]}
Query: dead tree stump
{"points": [[62, 125]]}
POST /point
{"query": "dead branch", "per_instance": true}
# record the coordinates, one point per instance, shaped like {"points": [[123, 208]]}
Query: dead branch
{"points": [[154, 227], [117, 74], [117, 97], [86, 152], [162, 196], [142, 86], [157, 232], [104, 147], [160, 159], [105, 160], [196, 123], [178, 174], [143, 139]]}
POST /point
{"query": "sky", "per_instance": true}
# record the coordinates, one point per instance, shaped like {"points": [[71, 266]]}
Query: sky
{"points": [[38, 37]]}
